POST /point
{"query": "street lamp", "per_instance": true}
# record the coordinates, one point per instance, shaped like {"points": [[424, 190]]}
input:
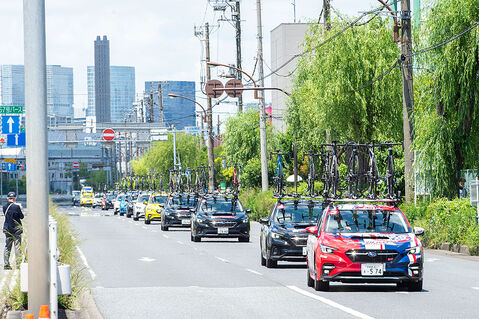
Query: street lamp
{"points": [[187, 98], [239, 70]]}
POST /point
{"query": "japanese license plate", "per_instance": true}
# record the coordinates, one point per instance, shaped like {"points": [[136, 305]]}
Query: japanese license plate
{"points": [[185, 222], [372, 269], [223, 230], [305, 252]]}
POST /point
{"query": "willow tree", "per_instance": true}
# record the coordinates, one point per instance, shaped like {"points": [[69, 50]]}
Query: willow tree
{"points": [[332, 95], [446, 115]]}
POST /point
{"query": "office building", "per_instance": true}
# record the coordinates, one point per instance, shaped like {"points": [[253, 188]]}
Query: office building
{"points": [[13, 84], [286, 40], [177, 112], [102, 80], [122, 92], [59, 90]]}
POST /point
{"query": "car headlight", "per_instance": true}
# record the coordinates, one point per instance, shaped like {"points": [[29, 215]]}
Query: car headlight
{"points": [[245, 220], [201, 220], [327, 249], [414, 250], [276, 235]]}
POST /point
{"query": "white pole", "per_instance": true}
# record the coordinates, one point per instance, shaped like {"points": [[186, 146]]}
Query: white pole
{"points": [[53, 269], [36, 153]]}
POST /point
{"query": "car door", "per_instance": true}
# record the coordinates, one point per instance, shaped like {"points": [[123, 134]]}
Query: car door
{"points": [[265, 229]]}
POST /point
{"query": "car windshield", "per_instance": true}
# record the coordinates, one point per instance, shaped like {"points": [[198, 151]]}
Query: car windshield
{"points": [[221, 206], [158, 199], [120, 198], [143, 198], [296, 213], [76, 193], [366, 221], [182, 202]]}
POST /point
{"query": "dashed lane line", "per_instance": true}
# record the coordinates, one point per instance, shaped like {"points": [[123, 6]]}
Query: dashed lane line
{"points": [[475, 288], [85, 262], [180, 242], [331, 303], [166, 236], [222, 259], [254, 272]]}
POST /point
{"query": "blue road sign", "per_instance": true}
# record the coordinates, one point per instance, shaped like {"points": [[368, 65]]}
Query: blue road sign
{"points": [[11, 167], [16, 139], [10, 124]]}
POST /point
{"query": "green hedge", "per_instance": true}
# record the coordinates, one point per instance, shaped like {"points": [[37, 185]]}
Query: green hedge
{"points": [[259, 202], [446, 221]]}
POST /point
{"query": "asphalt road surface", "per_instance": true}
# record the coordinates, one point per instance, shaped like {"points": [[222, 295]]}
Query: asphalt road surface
{"points": [[139, 271]]}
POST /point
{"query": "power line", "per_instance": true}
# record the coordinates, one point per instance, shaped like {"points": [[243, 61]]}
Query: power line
{"points": [[377, 78], [444, 42]]}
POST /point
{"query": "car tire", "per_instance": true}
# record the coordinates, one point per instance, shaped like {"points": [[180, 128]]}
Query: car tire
{"points": [[414, 285], [135, 219], [243, 239], [147, 221], [164, 228], [310, 281], [196, 239], [115, 212], [270, 263], [128, 215], [263, 260]]}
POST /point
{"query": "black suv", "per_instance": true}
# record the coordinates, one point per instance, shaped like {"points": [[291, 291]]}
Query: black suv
{"points": [[283, 232], [177, 212], [220, 217]]}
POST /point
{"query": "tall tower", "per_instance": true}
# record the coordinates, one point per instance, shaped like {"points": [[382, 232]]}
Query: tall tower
{"points": [[102, 80]]}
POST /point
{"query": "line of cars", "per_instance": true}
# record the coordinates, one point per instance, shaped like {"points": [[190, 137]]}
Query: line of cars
{"points": [[360, 242]]}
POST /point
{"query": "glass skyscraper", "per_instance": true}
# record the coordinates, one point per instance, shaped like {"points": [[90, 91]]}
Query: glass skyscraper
{"points": [[59, 88], [102, 80], [13, 84], [177, 112], [122, 91]]}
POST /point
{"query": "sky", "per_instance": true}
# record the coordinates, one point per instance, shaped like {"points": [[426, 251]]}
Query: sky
{"points": [[155, 36]]}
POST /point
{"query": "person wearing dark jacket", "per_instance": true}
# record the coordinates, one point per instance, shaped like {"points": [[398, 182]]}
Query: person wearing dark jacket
{"points": [[12, 228]]}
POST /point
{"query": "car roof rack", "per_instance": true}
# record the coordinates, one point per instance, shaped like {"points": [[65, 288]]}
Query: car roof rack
{"points": [[391, 201]]}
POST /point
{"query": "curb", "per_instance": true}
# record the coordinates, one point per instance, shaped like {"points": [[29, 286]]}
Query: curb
{"points": [[460, 249], [89, 308]]}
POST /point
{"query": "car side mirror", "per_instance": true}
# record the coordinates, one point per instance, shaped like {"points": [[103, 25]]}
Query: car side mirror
{"points": [[248, 211], [145, 203], [264, 221], [312, 230], [418, 231]]}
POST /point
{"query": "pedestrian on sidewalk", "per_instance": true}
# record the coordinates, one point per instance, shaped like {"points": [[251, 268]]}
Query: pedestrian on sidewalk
{"points": [[12, 228]]}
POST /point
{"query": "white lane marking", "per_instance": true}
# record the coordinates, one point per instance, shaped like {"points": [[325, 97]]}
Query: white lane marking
{"points": [[430, 260], [402, 292], [154, 231], [331, 303], [180, 242], [147, 259], [144, 227], [166, 236], [85, 262], [222, 259], [254, 272], [476, 288]]}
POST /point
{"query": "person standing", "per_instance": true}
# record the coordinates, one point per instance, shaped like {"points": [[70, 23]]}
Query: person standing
{"points": [[12, 228]]}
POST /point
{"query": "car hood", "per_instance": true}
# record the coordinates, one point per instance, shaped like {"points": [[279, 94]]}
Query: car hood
{"points": [[224, 215], [370, 241]]}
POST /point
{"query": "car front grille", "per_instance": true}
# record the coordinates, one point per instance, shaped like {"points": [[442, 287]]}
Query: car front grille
{"points": [[221, 223], [371, 256], [299, 241]]}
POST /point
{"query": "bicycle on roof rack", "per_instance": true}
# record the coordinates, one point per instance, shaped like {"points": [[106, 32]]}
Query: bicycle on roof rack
{"points": [[332, 176], [372, 174], [202, 184], [311, 173], [352, 178], [390, 172], [279, 177]]}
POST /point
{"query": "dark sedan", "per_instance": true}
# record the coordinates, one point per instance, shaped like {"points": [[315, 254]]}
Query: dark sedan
{"points": [[220, 217], [177, 212], [283, 232]]}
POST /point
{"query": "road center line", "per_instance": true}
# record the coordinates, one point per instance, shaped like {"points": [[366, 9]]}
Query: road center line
{"points": [[85, 262], [222, 259], [476, 288], [331, 303], [180, 242], [166, 236], [254, 272], [144, 227]]}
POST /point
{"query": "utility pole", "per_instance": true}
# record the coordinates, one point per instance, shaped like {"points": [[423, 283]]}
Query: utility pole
{"points": [[239, 75], [326, 9], [174, 148], [160, 102], [218, 125], [262, 120], [36, 154], [211, 154], [408, 96]]}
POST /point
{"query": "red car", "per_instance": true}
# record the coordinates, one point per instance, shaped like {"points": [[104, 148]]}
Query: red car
{"points": [[355, 243]]}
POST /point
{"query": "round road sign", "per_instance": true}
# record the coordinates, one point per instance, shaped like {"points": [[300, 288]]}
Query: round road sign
{"points": [[108, 135], [214, 84], [76, 165], [230, 88]]}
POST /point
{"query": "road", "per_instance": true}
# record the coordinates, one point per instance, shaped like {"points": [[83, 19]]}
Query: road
{"points": [[139, 271]]}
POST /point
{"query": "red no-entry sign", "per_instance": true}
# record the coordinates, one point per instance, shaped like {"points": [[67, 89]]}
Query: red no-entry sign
{"points": [[108, 134], [76, 165]]}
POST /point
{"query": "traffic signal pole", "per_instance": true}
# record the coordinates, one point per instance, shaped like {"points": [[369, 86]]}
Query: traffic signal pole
{"points": [[36, 154]]}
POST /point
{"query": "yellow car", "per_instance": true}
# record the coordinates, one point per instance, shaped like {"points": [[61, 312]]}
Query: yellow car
{"points": [[155, 207], [86, 200]]}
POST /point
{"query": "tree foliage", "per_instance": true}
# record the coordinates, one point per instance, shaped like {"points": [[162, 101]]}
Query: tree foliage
{"points": [[446, 116], [325, 98]]}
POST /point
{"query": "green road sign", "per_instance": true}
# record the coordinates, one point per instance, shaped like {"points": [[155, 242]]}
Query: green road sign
{"points": [[11, 109]]}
